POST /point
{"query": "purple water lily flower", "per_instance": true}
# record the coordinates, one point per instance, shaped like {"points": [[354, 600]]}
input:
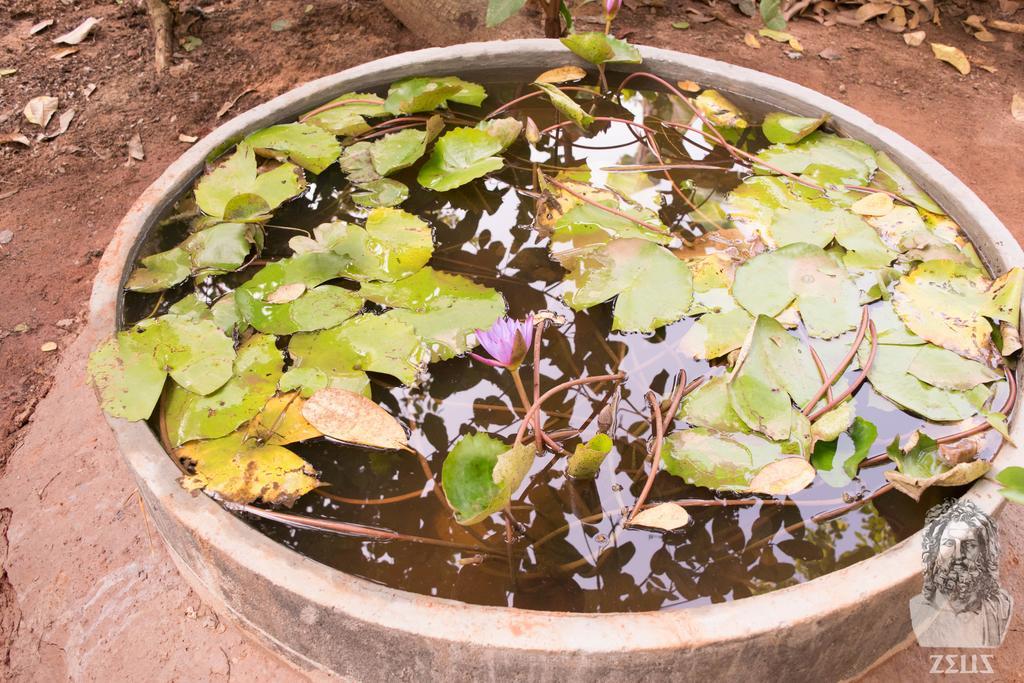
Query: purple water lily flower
{"points": [[612, 7], [507, 341]]}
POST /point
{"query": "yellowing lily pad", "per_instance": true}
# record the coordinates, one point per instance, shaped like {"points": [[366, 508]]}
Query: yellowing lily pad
{"points": [[393, 245], [353, 418], [598, 47], [238, 175], [850, 161], [665, 517], [585, 461], [718, 110], [309, 146], [417, 94], [789, 128]]}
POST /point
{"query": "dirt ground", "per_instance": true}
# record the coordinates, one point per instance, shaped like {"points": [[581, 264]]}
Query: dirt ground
{"points": [[61, 199]]}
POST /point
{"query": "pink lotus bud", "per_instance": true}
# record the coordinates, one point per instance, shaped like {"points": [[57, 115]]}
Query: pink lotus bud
{"points": [[612, 7]]}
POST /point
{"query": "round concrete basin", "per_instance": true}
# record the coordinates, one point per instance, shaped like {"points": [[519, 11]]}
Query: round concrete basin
{"points": [[324, 621]]}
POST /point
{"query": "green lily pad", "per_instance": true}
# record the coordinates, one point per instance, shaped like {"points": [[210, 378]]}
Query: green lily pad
{"points": [[587, 225], [366, 343], [309, 146], [718, 110], [833, 423], [417, 94], [393, 245], [856, 441], [242, 470], [257, 369], [890, 377], [947, 370], [723, 461], [196, 353], [598, 47], [894, 179], [444, 309], [505, 130], [828, 300], [224, 314], [357, 163], [566, 104], [944, 302], [238, 175], [1004, 297], [587, 458], [773, 370], [220, 248], [710, 406], [890, 328], [308, 380], [383, 192], [921, 467], [127, 376], [480, 475], [460, 156], [851, 161], [160, 271], [638, 273], [349, 118], [396, 151], [1012, 479], [788, 128], [716, 334]]}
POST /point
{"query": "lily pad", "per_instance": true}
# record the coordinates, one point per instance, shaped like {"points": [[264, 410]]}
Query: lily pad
{"points": [[383, 192], [504, 130], [220, 248], [789, 128], [718, 110], [160, 271], [238, 175], [587, 458], [480, 475], [947, 370], [583, 225], [566, 105], [460, 156], [396, 151], [851, 161], [598, 47], [716, 334], [839, 470], [309, 146], [393, 245], [783, 477], [353, 418], [894, 179], [242, 470], [828, 300], [921, 467], [349, 118], [196, 354], [127, 376], [665, 517], [417, 94], [366, 343], [638, 273], [280, 422], [257, 369], [710, 406]]}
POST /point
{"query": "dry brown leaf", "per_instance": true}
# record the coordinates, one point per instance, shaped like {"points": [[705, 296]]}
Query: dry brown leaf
{"points": [[873, 204], [66, 52], [914, 38], [830, 54], [226, 107], [563, 74], [976, 22], [751, 40], [963, 473], [1007, 26], [895, 20], [11, 138], [353, 418], [79, 34], [783, 477], [985, 37], [286, 293], [987, 67], [688, 86], [963, 450], [41, 26], [63, 123], [870, 10], [666, 516], [40, 109], [1017, 107], [48, 346], [187, 138], [135, 150], [953, 56]]}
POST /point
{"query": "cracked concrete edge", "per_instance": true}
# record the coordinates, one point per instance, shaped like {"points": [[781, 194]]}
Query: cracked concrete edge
{"points": [[291, 600]]}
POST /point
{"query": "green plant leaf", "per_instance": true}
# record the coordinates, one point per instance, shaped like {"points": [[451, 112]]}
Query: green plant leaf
{"points": [[309, 146], [1012, 479], [921, 467], [848, 161], [219, 248], [383, 192], [257, 369], [127, 376], [857, 442], [771, 14], [566, 104], [238, 175], [773, 370], [894, 179], [349, 118], [716, 334], [721, 461], [833, 423], [789, 128], [459, 156], [366, 343], [444, 309], [417, 94], [944, 369], [160, 271], [636, 272], [598, 47], [393, 245], [196, 354], [890, 377], [357, 163], [587, 458], [586, 225], [243, 470], [396, 151], [480, 475], [710, 406], [504, 130], [828, 300], [500, 11]]}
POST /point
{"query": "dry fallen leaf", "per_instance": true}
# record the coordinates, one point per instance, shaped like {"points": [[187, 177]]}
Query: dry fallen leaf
{"points": [[895, 20], [953, 56], [88, 90], [66, 52], [563, 74], [353, 418], [41, 26], [914, 38], [751, 41], [226, 107], [783, 477], [870, 10], [40, 109], [666, 516], [79, 34], [688, 86], [62, 124], [1017, 107], [8, 71], [987, 67], [48, 346], [1007, 26], [830, 54], [135, 150], [187, 138], [6, 138], [286, 293], [873, 204], [964, 450]]}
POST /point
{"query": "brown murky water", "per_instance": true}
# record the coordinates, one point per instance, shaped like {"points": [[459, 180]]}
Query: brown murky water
{"points": [[569, 555]]}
